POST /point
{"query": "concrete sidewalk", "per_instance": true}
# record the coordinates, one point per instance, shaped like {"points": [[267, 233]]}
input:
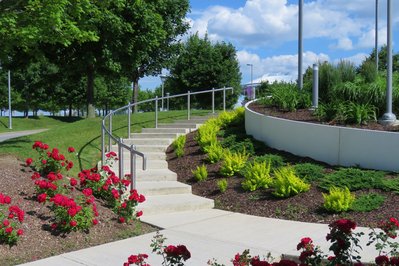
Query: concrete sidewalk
{"points": [[209, 234], [16, 134]]}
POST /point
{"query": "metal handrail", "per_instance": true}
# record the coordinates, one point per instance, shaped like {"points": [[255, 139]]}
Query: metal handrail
{"points": [[132, 148]]}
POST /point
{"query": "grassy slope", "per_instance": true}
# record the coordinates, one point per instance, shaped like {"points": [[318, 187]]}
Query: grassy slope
{"points": [[83, 134]]}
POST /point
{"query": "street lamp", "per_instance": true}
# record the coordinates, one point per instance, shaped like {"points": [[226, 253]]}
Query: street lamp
{"points": [[252, 81], [163, 79], [376, 34], [300, 44], [9, 100]]}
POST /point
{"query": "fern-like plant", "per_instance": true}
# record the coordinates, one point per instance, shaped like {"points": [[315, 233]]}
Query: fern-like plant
{"points": [[287, 184], [200, 173], [215, 152], [222, 185], [178, 145], [338, 199], [233, 162], [207, 134], [257, 175]]}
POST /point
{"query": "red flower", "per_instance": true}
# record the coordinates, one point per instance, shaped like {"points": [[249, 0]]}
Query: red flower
{"points": [[141, 199], [305, 243], [71, 149], [394, 260], [53, 226], [123, 205], [6, 222], [29, 161], [42, 197], [121, 220], [35, 176], [139, 213], [20, 232], [255, 261], [44, 161], [69, 165], [7, 200], [87, 192], [9, 230], [382, 260], [285, 263], [73, 182], [95, 221], [344, 225], [73, 223]]}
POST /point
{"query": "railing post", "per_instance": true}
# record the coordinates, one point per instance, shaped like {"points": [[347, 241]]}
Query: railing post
{"points": [[213, 100], [120, 157], [102, 143], [224, 98], [110, 132], [188, 105], [156, 111], [315, 94], [167, 101], [129, 111], [133, 167]]}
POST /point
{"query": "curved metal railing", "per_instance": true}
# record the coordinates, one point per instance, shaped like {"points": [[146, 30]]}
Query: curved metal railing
{"points": [[107, 132]]}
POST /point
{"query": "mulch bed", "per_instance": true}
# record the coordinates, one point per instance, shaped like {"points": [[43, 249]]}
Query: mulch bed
{"points": [[306, 207]]}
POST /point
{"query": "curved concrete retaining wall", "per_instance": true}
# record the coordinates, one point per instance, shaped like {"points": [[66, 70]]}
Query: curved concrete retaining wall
{"points": [[331, 144]]}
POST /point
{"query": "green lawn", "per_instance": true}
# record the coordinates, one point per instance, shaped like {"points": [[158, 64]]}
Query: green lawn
{"points": [[83, 134]]}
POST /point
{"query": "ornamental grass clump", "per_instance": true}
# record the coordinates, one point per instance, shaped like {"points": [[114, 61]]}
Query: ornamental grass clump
{"points": [[200, 173], [338, 199], [257, 176], [178, 145], [11, 219], [233, 163], [287, 184]]}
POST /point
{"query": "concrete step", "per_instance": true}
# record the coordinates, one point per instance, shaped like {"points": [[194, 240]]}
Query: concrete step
{"points": [[179, 125], [149, 155], [151, 188], [145, 135], [151, 148], [155, 175], [151, 163], [149, 141], [191, 121], [174, 203], [165, 130]]}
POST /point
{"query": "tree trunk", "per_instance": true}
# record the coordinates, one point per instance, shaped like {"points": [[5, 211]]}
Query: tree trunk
{"points": [[70, 110], [91, 112]]}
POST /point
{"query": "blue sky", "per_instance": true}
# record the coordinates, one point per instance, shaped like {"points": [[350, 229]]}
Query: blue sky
{"points": [[264, 32]]}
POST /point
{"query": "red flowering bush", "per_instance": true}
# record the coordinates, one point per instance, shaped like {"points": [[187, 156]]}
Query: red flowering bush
{"points": [[49, 161], [10, 220], [74, 215], [383, 242], [172, 255], [137, 260], [114, 190]]}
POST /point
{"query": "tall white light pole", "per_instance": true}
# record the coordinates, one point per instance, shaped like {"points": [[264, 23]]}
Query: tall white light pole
{"points": [[9, 101], [163, 79], [376, 34], [252, 80], [300, 44], [389, 117]]}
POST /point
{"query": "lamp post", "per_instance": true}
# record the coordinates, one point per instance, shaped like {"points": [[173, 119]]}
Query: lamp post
{"points": [[389, 118], [300, 44], [163, 79], [376, 35], [9, 101], [252, 69]]}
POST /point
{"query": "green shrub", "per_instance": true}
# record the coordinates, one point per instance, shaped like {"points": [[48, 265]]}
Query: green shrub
{"points": [[338, 199], [222, 185], [347, 70], [287, 184], [287, 97], [353, 178], [200, 173], [332, 112], [257, 175], [328, 77], [369, 71], [391, 184], [178, 145], [309, 172], [361, 114], [276, 161], [225, 118], [233, 162], [215, 152], [207, 134], [367, 202]]}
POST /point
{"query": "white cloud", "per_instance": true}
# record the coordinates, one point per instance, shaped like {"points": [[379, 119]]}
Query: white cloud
{"points": [[277, 66]]}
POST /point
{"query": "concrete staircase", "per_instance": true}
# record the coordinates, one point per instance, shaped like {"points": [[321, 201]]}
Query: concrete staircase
{"points": [[164, 194]]}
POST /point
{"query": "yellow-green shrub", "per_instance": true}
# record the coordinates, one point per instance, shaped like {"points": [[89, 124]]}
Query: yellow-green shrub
{"points": [[200, 173], [233, 162], [215, 152], [338, 200], [287, 184], [207, 134], [178, 145], [222, 185], [257, 175]]}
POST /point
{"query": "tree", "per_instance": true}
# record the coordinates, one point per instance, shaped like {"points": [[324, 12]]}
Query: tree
{"points": [[202, 65], [148, 39]]}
